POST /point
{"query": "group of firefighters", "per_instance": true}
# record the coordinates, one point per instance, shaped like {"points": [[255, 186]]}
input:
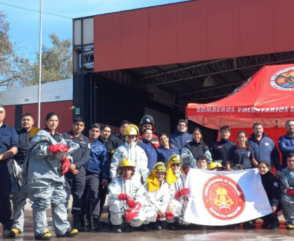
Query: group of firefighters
{"points": [[49, 167]]}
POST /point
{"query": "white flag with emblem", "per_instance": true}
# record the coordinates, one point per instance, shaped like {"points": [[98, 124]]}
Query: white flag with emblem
{"points": [[225, 197]]}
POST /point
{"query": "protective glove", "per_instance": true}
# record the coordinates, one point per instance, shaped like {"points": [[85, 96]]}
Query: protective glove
{"points": [[290, 192], [182, 192], [187, 170], [177, 194], [125, 197], [169, 215], [65, 165], [185, 191], [132, 212], [58, 148]]}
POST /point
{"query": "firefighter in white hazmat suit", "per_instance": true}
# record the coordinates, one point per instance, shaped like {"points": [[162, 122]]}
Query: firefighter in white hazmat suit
{"points": [[128, 199], [132, 151], [160, 195], [176, 178]]}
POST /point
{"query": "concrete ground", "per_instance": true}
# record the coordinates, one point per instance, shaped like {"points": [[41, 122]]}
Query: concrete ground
{"points": [[190, 234]]}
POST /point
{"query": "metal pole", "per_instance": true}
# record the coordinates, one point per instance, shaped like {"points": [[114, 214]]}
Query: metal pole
{"points": [[40, 65]]}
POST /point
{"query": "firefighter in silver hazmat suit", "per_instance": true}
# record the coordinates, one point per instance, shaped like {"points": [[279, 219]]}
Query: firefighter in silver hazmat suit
{"points": [[176, 178], [189, 161], [47, 165], [160, 195], [128, 200], [132, 151]]}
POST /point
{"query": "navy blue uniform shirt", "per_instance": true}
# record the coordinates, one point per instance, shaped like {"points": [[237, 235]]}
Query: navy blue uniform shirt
{"points": [[286, 145], [81, 155], [220, 150], [98, 161], [23, 145], [241, 156], [8, 138], [150, 152], [164, 154], [265, 150]]}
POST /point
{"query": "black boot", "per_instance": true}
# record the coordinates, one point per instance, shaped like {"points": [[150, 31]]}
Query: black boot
{"points": [[158, 225], [88, 222], [171, 226], [8, 233], [76, 224], [249, 225], [109, 223], [116, 229], [129, 228], [275, 224], [264, 225], [82, 221], [154, 226], [96, 224], [144, 228]]}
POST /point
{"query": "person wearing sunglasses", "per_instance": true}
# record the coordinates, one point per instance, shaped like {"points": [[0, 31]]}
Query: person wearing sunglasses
{"points": [[176, 178], [160, 196]]}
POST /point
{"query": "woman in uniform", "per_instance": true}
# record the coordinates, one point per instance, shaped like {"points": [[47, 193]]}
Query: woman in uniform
{"points": [[193, 149], [272, 188], [241, 155], [47, 164]]}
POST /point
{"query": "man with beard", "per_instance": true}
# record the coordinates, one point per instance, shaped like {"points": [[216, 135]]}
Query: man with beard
{"points": [[286, 142], [264, 148], [8, 148], [25, 135], [181, 136]]}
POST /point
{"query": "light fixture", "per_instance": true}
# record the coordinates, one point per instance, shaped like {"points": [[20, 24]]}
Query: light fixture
{"points": [[209, 82]]}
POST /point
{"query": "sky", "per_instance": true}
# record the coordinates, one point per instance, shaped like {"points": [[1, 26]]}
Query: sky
{"points": [[24, 18]]}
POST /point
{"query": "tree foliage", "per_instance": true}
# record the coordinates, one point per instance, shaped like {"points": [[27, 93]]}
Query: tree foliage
{"points": [[56, 61], [16, 71]]}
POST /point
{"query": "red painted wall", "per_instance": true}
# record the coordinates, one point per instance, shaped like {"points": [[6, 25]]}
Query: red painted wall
{"points": [[61, 108], [192, 31], [10, 115]]}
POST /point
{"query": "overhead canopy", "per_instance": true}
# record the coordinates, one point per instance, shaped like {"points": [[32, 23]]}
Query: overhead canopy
{"points": [[266, 97]]}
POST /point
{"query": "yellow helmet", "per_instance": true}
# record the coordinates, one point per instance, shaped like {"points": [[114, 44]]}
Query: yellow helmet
{"points": [[214, 165], [127, 163], [175, 158], [131, 130], [152, 182], [160, 167]]}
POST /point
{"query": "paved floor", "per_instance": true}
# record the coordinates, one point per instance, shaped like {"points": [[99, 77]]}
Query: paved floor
{"points": [[193, 233], [186, 235]]}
